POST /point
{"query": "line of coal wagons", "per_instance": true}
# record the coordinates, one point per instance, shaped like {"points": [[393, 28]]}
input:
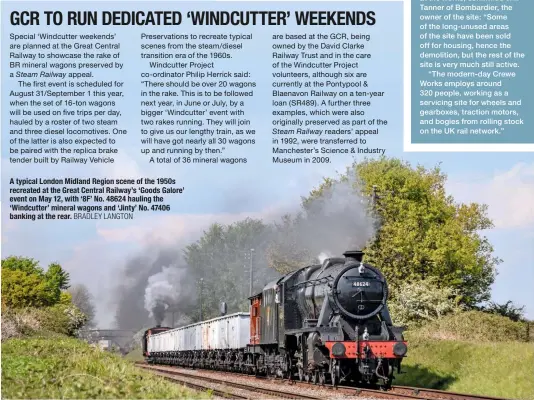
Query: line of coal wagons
{"points": [[227, 332]]}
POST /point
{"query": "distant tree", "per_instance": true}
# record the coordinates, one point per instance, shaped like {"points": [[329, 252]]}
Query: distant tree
{"points": [[221, 257], [55, 273], [422, 232], [57, 279], [22, 289], [83, 300], [508, 309], [285, 252]]}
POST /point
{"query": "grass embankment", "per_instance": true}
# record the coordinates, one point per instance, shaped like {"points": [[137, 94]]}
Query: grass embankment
{"points": [[62, 367], [135, 355], [491, 369], [473, 353]]}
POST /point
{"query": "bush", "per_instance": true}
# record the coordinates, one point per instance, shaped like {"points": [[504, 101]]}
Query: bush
{"points": [[62, 318], [24, 289], [418, 302], [473, 326], [509, 309], [19, 323], [65, 319], [66, 299]]}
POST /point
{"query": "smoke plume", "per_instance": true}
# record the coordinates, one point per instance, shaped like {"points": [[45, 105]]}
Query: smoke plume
{"points": [[163, 290], [338, 220], [130, 295]]}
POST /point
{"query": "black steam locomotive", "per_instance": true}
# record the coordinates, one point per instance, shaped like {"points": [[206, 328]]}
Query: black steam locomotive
{"points": [[329, 322], [322, 323]]}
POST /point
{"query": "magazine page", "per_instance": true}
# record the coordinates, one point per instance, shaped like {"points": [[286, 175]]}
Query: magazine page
{"points": [[261, 199]]}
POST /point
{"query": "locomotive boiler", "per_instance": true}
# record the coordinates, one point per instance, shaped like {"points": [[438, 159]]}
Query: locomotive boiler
{"points": [[328, 322], [324, 323]]}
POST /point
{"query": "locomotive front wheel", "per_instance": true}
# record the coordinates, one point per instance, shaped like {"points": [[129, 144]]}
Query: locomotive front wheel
{"points": [[335, 375]]}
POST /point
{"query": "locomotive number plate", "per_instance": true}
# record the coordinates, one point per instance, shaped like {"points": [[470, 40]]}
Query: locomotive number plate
{"points": [[359, 284]]}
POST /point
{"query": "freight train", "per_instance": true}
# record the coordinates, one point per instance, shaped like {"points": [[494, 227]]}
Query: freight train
{"points": [[325, 323]]}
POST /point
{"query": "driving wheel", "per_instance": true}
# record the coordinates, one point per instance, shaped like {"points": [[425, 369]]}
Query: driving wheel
{"points": [[335, 374]]}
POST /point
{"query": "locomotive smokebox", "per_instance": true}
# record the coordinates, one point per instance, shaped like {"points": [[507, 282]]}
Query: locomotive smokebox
{"points": [[354, 255]]}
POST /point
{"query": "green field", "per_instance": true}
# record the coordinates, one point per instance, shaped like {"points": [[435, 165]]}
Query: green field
{"points": [[64, 368], [504, 369], [135, 355]]}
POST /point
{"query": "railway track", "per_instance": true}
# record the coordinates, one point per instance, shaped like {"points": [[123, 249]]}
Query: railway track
{"points": [[432, 394], [402, 392], [406, 392], [396, 392], [186, 379]]}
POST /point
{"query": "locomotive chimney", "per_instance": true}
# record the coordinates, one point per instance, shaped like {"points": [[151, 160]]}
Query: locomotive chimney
{"points": [[354, 255]]}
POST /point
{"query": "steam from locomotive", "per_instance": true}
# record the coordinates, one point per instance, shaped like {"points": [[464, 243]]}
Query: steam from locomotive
{"points": [[338, 220], [164, 290], [159, 294], [323, 256]]}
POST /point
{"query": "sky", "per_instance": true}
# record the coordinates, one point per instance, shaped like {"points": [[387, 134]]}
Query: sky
{"points": [[95, 252]]}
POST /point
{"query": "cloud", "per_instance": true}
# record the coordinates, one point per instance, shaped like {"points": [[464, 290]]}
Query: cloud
{"points": [[508, 194]]}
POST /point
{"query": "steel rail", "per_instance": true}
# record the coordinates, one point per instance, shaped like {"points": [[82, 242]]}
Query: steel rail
{"points": [[441, 394], [399, 392], [241, 386]]}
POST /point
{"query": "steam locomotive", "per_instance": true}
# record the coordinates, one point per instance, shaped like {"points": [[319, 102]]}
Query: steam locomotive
{"points": [[326, 323]]}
